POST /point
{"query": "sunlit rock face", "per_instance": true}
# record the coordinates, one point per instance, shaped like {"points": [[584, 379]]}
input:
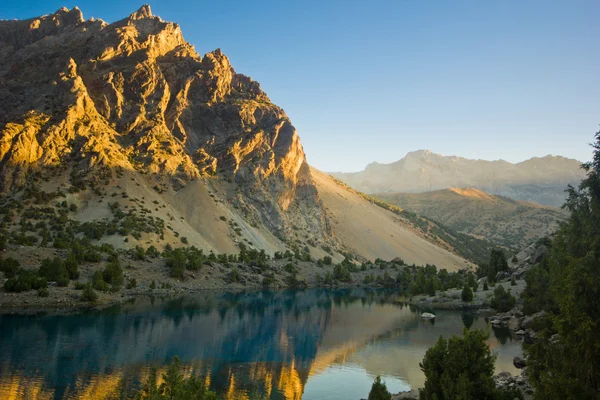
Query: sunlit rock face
{"points": [[85, 95]]}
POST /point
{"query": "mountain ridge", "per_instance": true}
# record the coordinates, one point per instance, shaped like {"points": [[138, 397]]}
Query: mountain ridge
{"points": [[538, 179]]}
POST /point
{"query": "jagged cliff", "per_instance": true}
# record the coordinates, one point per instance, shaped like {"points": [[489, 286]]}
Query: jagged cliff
{"points": [[135, 95], [133, 131]]}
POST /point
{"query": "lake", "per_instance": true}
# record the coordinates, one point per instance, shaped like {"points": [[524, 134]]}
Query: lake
{"points": [[311, 344]]}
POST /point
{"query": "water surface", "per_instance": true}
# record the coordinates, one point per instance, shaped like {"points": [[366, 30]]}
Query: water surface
{"points": [[312, 344]]}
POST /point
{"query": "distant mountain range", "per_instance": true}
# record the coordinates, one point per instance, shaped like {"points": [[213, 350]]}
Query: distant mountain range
{"points": [[541, 180], [509, 223]]}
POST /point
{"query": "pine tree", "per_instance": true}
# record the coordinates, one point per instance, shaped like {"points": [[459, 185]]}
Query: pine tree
{"points": [[567, 365], [379, 391]]}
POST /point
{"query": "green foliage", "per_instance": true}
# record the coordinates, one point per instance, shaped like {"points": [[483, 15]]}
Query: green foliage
{"points": [[176, 261], [113, 274], [293, 282], [43, 292], [327, 260], [25, 281], [268, 279], [234, 275], [98, 282], [341, 273], [153, 285], [72, 266], [379, 391], [502, 300], [467, 294], [89, 294], [497, 263], [54, 270], [132, 283], [513, 281], [485, 286], [9, 266], [174, 387], [536, 295], [459, 368], [568, 365]]}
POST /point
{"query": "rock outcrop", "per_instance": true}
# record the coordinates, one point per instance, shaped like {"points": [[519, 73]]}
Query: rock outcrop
{"points": [[88, 96]]}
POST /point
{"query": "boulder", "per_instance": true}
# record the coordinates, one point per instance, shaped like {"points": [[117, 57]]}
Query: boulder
{"points": [[427, 315], [513, 324], [519, 362]]}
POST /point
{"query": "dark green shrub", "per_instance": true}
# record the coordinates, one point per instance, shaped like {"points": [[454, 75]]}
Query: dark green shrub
{"points": [[132, 283], [43, 292], [502, 300], [72, 266], [89, 294], [176, 262], [485, 286], [234, 275], [98, 282], [153, 285], [467, 294], [379, 391], [113, 274], [459, 368], [10, 267], [54, 270]]}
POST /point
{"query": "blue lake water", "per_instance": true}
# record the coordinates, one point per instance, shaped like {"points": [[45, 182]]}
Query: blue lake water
{"points": [[312, 344]]}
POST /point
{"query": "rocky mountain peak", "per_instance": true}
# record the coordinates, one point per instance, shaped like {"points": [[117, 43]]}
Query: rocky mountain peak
{"points": [[134, 94], [143, 12]]}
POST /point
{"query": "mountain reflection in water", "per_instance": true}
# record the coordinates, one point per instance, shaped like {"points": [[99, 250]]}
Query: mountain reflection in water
{"points": [[311, 344]]}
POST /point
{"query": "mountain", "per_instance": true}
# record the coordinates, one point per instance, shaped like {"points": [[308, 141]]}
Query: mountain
{"points": [[541, 180], [504, 221], [122, 134]]}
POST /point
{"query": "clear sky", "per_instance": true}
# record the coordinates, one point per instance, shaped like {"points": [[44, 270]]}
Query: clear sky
{"points": [[372, 80]]}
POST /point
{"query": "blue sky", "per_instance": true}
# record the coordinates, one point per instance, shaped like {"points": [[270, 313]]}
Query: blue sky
{"points": [[372, 80]]}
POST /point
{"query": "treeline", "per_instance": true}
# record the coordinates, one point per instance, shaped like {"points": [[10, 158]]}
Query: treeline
{"points": [[564, 359]]}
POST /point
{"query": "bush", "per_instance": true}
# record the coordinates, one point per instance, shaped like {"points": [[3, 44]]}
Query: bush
{"points": [[234, 275], [153, 285], [10, 267], [25, 281], [43, 292], [72, 266], [98, 282], [467, 294], [89, 294], [132, 283], [513, 281], [113, 274], [485, 286], [459, 368], [54, 270], [176, 262], [379, 391], [502, 300]]}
